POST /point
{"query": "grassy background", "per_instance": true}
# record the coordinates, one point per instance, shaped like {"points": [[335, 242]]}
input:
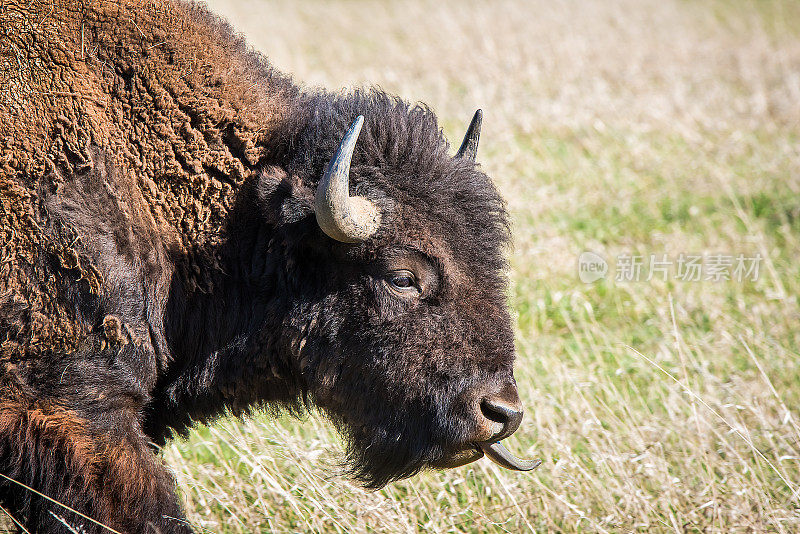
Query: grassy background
{"points": [[628, 127], [652, 127]]}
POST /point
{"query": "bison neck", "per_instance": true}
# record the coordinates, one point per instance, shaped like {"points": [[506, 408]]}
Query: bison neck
{"points": [[227, 343]]}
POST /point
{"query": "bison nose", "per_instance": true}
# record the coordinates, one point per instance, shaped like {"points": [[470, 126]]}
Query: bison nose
{"points": [[505, 408]]}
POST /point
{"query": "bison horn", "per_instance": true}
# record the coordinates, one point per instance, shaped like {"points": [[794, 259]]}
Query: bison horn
{"points": [[340, 216], [469, 146]]}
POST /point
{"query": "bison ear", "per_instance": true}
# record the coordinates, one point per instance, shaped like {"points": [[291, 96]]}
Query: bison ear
{"points": [[469, 146], [283, 197]]}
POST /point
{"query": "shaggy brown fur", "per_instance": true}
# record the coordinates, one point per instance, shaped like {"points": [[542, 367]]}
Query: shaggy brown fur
{"points": [[115, 472], [161, 263], [177, 107]]}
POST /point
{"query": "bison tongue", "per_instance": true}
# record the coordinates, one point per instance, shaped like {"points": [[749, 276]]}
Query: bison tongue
{"points": [[497, 453]]}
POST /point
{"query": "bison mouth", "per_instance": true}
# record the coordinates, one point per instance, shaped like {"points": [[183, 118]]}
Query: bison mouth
{"points": [[494, 451]]}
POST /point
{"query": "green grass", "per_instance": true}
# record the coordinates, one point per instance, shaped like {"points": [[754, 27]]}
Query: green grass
{"points": [[635, 128]]}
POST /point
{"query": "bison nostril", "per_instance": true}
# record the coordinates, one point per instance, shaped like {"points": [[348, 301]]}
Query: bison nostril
{"points": [[501, 412]]}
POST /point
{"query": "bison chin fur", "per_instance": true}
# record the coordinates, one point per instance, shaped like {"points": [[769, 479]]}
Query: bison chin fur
{"points": [[375, 459], [380, 453], [386, 441]]}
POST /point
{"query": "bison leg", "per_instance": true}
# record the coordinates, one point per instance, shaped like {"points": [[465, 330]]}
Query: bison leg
{"points": [[90, 476]]}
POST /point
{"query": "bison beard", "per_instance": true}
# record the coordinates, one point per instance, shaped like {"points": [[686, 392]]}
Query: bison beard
{"points": [[186, 233]]}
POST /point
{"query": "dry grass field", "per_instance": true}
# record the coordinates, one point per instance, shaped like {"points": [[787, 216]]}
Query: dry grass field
{"points": [[623, 128]]}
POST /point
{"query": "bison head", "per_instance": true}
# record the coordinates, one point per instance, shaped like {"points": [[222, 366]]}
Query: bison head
{"points": [[398, 314]]}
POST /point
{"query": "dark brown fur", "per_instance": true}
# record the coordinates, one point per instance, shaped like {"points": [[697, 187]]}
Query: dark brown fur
{"points": [[161, 263]]}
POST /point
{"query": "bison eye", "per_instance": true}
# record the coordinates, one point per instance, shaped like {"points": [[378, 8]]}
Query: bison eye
{"points": [[402, 281]]}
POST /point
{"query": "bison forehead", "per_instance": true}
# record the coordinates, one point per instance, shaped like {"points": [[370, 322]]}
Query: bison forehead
{"points": [[403, 156], [467, 230]]}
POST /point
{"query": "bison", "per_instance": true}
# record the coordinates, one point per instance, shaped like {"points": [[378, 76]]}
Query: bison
{"points": [[186, 232]]}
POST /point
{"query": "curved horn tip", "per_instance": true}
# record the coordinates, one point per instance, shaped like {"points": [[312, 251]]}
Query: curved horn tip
{"points": [[356, 126], [469, 146], [342, 217]]}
